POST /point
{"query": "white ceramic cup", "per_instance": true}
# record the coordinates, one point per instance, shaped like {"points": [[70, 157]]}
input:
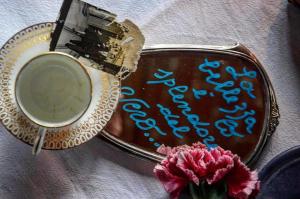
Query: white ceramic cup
{"points": [[53, 90]]}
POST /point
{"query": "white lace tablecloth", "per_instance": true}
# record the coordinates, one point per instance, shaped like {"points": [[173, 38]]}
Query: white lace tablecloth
{"points": [[270, 28]]}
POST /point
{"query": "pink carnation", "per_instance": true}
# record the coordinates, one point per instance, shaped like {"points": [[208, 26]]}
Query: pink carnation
{"points": [[185, 164]]}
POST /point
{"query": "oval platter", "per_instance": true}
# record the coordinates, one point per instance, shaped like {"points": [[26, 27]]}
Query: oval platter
{"points": [[181, 94]]}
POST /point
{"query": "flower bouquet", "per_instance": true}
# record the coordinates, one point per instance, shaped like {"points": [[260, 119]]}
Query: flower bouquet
{"points": [[209, 174]]}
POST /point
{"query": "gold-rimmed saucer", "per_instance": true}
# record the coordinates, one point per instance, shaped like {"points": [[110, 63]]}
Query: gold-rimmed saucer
{"points": [[25, 45]]}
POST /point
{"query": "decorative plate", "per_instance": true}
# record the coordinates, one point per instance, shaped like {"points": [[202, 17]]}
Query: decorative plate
{"points": [[181, 94], [280, 178], [14, 54]]}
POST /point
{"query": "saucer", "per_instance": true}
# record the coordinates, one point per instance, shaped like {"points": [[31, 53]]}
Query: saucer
{"points": [[18, 50]]}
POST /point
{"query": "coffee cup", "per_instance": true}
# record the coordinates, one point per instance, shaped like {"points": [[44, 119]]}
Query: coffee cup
{"points": [[52, 90]]}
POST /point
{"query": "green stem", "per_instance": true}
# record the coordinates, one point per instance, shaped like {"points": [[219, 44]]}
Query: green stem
{"points": [[205, 191], [193, 191]]}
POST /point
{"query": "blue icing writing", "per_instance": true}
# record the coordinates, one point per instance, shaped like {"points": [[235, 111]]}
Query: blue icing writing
{"points": [[250, 121], [181, 89], [177, 94], [194, 119], [235, 75], [125, 90], [146, 134], [241, 117], [237, 108], [156, 144], [163, 74], [248, 87], [134, 106], [172, 121], [228, 95], [209, 142], [136, 100], [228, 125], [227, 128], [140, 121], [167, 82], [177, 98], [199, 93], [247, 116]]}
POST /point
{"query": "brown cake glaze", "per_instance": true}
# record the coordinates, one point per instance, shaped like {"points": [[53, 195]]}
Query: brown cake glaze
{"points": [[181, 97]]}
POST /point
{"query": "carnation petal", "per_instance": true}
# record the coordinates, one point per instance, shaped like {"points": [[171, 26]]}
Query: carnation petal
{"points": [[241, 181], [187, 164], [172, 184], [165, 150]]}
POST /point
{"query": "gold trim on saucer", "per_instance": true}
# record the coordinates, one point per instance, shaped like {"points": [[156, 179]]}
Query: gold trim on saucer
{"points": [[35, 40]]}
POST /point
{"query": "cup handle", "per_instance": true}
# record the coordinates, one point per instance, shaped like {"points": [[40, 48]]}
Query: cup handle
{"points": [[39, 141]]}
